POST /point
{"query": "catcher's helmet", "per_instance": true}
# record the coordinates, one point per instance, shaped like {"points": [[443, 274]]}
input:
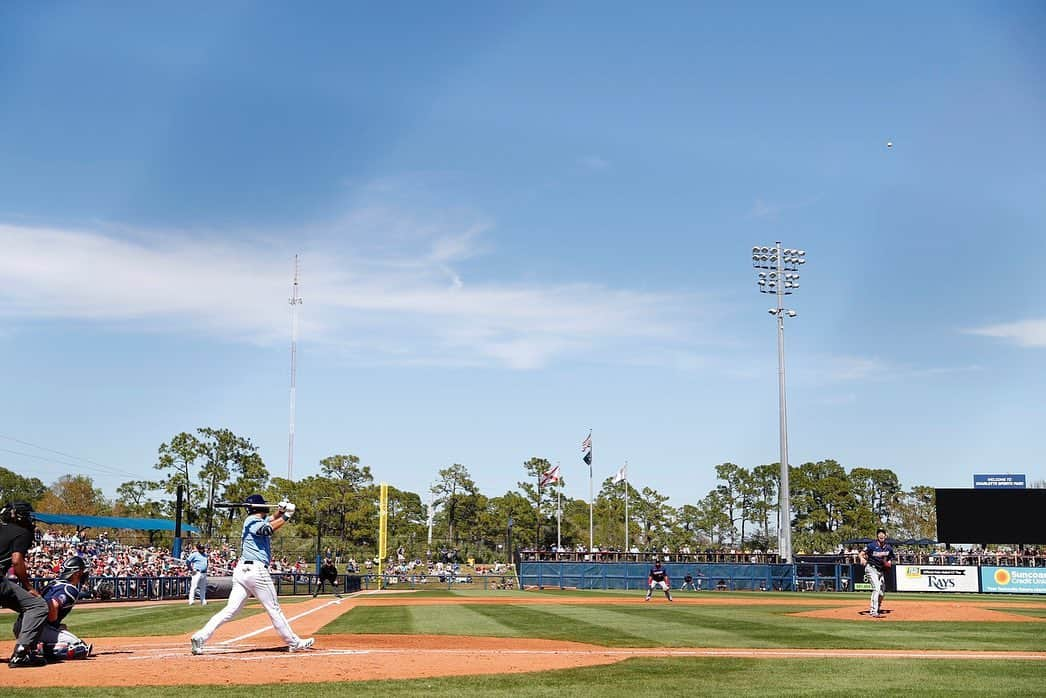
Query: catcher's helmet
{"points": [[256, 499], [72, 566]]}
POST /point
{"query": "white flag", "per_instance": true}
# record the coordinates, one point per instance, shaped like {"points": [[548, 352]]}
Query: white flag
{"points": [[622, 474]]}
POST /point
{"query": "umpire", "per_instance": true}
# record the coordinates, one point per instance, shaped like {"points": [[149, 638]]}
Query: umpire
{"points": [[328, 573], [18, 594]]}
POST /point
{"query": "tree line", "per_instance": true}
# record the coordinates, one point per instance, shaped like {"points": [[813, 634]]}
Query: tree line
{"points": [[830, 504]]}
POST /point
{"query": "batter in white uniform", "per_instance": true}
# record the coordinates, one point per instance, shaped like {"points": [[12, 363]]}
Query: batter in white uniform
{"points": [[251, 576]]}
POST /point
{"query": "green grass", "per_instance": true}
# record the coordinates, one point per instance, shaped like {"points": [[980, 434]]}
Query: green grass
{"points": [[153, 620], [697, 676], [657, 624], [661, 625]]}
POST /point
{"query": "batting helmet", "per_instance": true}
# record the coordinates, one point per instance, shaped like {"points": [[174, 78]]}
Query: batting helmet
{"points": [[256, 499], [72, 566]]}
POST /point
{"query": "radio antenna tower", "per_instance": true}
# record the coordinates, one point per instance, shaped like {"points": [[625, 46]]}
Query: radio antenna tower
{"points": [[295, 301]]}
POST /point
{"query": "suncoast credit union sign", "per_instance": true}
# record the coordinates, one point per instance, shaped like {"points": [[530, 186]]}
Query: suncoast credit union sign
{"points": [[936, 579], [1014, 580]]}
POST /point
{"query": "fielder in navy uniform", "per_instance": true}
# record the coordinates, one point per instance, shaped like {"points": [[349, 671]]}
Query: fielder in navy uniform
{"points": [[61, 595], [658, 578], [877, 557], [251, 576], [197, 564]]}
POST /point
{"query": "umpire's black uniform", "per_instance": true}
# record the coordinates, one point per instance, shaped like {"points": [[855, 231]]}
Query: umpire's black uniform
{"points": [[16, 537], [328, 573]]}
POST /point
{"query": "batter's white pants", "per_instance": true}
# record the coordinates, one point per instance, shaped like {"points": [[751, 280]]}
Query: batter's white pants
{"points": [[198, 583], [251, 580], [875, 576]]}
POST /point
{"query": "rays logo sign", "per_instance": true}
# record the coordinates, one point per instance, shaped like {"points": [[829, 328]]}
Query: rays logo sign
{"points": [[937, 578]]}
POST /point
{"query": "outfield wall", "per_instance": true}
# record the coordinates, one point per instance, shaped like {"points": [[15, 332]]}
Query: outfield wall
{"points": [[623, 575]]}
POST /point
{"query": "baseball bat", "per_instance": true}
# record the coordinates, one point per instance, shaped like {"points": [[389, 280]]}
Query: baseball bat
{"points": [[243, 505]]}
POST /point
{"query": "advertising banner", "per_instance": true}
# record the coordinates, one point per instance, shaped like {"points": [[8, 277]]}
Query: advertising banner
{"points": [[936, 578], [993, 481], [1013, 580]]}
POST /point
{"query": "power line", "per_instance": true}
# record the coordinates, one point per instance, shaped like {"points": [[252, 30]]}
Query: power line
{"points": [[78, 460]]}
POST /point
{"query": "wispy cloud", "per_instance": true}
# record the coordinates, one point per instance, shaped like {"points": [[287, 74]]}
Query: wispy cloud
{"points": [[406, 300], [594, 163], [771, 210], [1026, 333]]}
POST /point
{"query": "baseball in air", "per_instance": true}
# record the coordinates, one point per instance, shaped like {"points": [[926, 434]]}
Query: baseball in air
{"points": [[889, 144]]}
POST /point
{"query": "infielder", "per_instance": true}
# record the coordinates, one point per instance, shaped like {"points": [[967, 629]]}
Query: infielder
{"points": [[688, 583], [877, 557], [197, 564], [61, 595], [251, 576], [658, 577]]}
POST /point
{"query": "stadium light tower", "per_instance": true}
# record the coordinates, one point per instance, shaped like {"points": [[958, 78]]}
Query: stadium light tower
{"points": [[779, 275]]}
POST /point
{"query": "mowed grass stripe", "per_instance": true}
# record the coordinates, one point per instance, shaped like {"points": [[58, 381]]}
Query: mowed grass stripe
{"points": [[549, 623], [147, 621], [419, 620], [689, 626]]}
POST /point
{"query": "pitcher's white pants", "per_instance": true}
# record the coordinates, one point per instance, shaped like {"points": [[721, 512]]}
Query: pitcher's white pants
{"points": [[251, 580]]}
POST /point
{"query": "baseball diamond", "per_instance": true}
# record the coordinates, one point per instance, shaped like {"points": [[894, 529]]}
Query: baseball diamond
{"points": [[249, 651]]}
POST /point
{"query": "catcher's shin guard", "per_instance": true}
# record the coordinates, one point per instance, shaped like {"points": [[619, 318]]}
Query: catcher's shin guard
{"points": [[65, 650]]}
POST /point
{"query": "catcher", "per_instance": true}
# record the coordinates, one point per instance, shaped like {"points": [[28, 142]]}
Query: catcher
{"points": [[61, 595], [658, 577], [877, 557]]}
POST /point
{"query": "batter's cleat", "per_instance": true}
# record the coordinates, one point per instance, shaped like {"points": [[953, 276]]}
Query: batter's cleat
{"points": [[22, 657], [301, 645], [196, 643]]}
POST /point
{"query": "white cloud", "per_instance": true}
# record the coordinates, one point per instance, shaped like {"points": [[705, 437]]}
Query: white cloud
{"points": [[1026, 333], [402, 301], [594, 163], [766, 209]]}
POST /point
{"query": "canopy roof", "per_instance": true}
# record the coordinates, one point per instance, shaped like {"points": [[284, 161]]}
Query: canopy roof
{"points": [[111, 522]]}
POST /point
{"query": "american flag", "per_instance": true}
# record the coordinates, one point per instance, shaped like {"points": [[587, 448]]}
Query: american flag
{"points": [[586, 447]]}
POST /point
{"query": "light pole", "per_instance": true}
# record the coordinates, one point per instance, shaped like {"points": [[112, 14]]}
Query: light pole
{"points": [[780, 277]]}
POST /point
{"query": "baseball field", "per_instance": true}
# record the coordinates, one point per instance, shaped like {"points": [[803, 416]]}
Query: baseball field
{"points": [[579, 643]]}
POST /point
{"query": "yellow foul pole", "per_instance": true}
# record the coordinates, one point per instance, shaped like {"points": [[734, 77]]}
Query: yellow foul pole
{"points": [[383, 532]]}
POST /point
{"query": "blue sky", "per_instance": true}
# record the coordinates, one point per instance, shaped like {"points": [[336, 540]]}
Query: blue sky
{"points": [[519, 222]]}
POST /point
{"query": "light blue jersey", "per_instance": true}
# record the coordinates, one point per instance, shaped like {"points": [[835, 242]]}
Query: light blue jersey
{"points": [[255, 538], [197, 562]]}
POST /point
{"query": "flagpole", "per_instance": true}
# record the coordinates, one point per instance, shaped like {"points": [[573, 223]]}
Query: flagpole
{"points": [[559, 517], [591, 502], [537, 540], [626, 507]]}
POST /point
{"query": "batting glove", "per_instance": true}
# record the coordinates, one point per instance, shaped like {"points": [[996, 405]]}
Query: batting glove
{"points": [[288, 510]]}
